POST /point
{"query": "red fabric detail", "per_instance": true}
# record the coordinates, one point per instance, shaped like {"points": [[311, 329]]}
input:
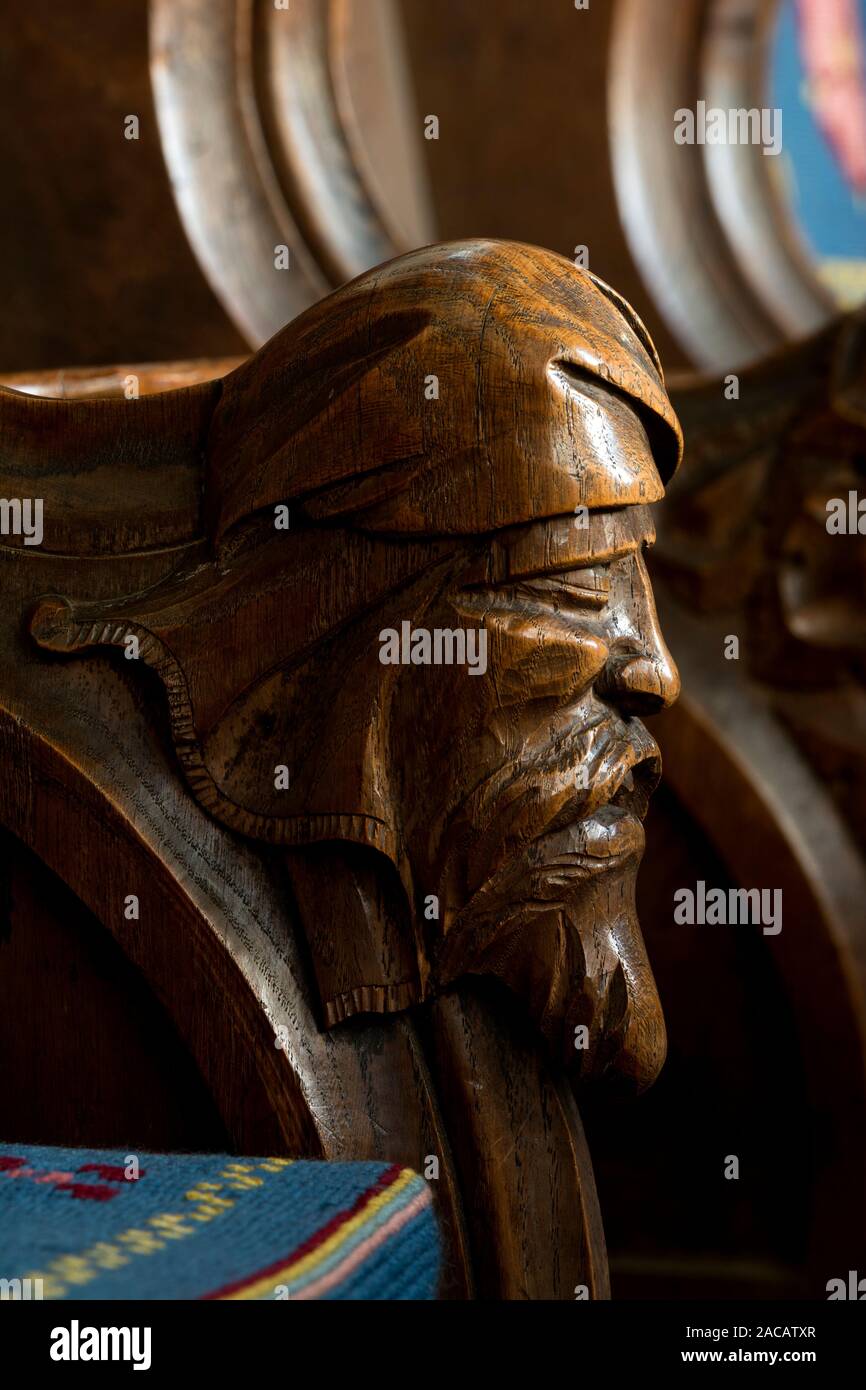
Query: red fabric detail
{"points": [[109, 1171], [88, 1191], [317, 1238]]}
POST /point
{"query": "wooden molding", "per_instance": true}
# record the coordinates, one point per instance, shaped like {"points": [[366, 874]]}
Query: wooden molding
{"points": [[259, 128], [705, 223], [407, 888]]}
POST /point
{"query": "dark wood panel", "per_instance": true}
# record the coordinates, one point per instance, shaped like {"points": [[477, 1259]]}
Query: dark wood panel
{"points": [[521, 94], [733, 1082], [88, 1055], [94, 264]]}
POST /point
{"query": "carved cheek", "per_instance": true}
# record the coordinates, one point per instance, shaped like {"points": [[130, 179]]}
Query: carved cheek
{"points": [[541, 657]]}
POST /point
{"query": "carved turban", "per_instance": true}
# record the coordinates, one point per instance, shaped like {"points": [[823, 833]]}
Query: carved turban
{"points": [[444, 407]]}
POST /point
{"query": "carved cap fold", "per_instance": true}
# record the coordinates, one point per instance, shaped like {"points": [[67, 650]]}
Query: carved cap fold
{"points": [[465, 388]]}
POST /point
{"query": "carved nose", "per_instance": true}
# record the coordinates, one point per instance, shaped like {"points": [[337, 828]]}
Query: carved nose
{"points": [[640, 683]]}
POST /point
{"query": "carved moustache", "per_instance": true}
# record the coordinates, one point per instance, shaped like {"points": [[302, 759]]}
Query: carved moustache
{"points": [[540, 794]]}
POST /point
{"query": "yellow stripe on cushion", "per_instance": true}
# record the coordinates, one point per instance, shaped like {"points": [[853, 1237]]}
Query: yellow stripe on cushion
{"points": [[295, 1269]]}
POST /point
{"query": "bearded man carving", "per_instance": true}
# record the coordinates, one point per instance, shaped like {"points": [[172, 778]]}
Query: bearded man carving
{"points": [[439, 821]]}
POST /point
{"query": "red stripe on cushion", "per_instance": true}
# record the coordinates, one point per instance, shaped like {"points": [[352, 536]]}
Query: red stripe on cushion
{"points": [[317, 1238]]}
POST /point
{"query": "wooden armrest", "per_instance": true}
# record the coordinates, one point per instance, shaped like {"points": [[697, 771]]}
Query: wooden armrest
{"points": [[353, 769], [119, 382]]}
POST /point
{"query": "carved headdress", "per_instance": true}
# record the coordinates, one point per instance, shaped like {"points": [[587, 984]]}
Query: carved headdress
{"points": [[444, 412]]}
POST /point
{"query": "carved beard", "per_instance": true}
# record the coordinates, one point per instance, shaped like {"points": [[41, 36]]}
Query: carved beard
{"points": [[552, 910]]}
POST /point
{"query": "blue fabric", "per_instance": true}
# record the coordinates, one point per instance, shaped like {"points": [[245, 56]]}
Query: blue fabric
{"points": [[202, 1225]]}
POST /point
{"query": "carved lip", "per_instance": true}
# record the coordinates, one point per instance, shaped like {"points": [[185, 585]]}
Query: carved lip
{"points": [[608, 826], [615, 829], [612, 833], [593, 845], [638, 780], [628, 765]]}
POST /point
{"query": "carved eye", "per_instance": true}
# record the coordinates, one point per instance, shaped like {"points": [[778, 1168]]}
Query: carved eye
{"points": [[583, 588], [554, 591]]}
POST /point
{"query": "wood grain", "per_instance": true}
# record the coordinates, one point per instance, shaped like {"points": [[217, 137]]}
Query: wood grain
{"points": [[285, 922]]}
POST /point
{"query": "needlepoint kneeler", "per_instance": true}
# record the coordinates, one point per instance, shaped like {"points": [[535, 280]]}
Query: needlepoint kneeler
{"points": [[210, 1226]]}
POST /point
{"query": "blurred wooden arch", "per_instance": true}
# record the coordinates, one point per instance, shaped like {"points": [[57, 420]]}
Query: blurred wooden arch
{"points": [[706, 223], [287, 127]]}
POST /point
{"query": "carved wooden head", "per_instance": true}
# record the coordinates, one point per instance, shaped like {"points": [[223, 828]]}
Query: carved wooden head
{"points": [[417, 644]]}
